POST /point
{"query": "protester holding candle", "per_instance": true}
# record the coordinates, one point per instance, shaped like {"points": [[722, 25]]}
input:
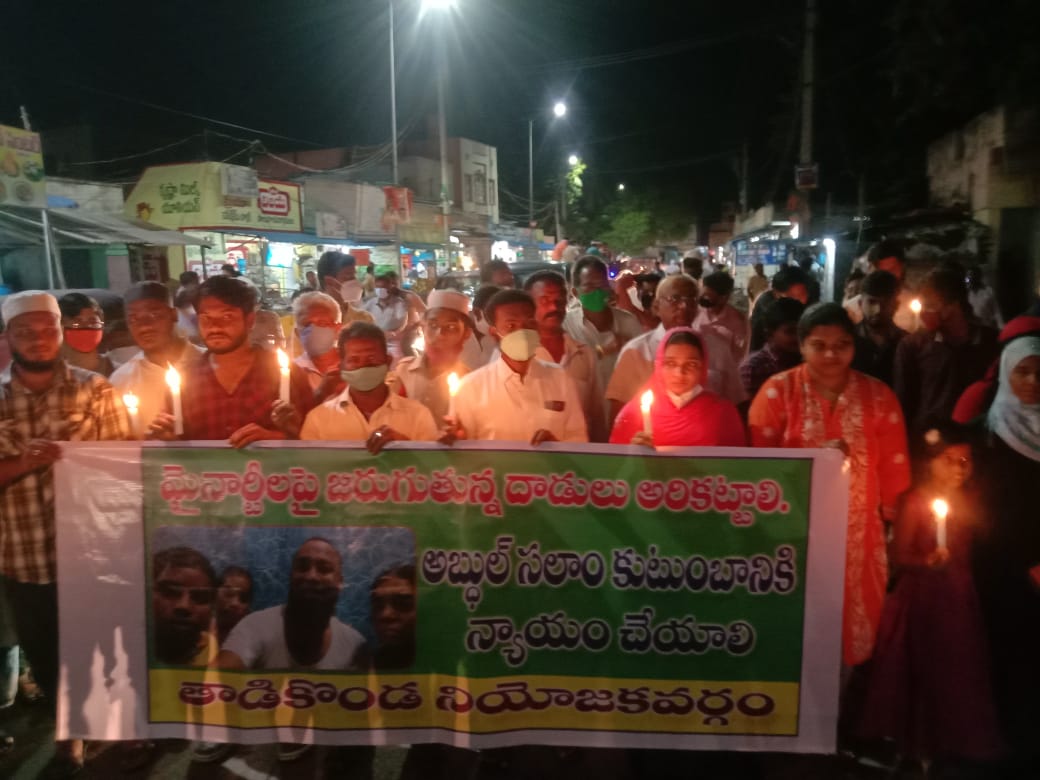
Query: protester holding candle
{"points": [[1009, 558], [683, 413], [152, 320], [824, 403], [231, 392], [929, 687]]}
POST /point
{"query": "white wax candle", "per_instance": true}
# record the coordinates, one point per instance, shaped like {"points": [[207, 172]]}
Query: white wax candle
{"points": [[940, 508], [283, 366], [646, 403], [132, 405], [453, 388], [173, 381]]}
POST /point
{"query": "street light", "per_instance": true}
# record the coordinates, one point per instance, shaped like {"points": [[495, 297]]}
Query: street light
{"points": [[621, 187], [573, 160], [437, 5], [559, 109]]}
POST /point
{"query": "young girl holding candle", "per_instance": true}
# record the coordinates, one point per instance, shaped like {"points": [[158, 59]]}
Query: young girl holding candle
{"points": [[929, 686]]}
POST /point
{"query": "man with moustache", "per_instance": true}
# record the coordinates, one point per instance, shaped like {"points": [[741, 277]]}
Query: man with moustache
{"points": [[303, 633], [43, 400], [231, 392], [152, 320], [549, 291], [183, 592]]}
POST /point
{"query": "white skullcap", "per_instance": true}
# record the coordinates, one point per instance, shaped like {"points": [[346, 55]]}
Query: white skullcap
{"points": [[448, 299], [26, 302]]}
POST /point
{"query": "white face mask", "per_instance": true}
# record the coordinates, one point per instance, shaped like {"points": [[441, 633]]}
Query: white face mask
{"points": [[520, 345], [382, 293], [352, 291]]}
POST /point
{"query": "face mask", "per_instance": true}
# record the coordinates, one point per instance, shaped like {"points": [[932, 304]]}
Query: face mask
{"points": [[520, 345], [84, 339], [595, 300], [382, 293], [647, 301], [367, 378], [351, 292], [317, 341]]}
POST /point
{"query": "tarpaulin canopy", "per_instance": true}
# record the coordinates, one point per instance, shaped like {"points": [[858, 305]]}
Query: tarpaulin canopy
{"points": [[70, 227]]}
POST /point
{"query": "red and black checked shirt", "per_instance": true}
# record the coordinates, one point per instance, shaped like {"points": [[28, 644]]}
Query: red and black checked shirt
{"points": [[212, 413], [78, 406]]}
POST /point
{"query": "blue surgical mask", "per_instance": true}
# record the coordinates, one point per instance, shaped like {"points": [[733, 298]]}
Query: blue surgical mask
{"points": [[317, 341], [367, 378]]}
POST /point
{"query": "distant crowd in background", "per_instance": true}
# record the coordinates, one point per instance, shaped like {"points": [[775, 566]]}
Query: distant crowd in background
{"points": [[929, 393]]}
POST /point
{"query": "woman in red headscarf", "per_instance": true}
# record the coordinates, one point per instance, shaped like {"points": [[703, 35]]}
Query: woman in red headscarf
{"points": [[683, 412]]}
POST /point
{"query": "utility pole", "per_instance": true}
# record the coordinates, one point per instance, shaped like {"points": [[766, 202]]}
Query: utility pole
{"points": [[743, 179], [45, 221], [805, 153], [861, 207], [442, 132], [393, 92], [530, 172]]}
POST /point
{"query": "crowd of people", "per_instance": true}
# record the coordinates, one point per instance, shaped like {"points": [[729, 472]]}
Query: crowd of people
{"points": [[940, 635]]}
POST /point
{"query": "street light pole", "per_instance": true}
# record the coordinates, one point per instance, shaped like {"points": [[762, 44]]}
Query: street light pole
{"points": [[530, 172], [443, 134], [393, 92]]}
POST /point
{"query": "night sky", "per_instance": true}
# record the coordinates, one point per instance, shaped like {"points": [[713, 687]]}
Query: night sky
{"points": [[661, 94]]}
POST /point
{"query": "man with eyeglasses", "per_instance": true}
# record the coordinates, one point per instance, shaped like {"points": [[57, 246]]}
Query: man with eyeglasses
{"points": [[84, 324], [43, 400], [183, 592], [152, 320], [446, 326], [393, 607], [231, 392], [676, 305]]}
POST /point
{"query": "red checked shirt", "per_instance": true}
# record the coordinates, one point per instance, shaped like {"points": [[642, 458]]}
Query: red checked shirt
{"points": [[212, 413], [79, 406]]}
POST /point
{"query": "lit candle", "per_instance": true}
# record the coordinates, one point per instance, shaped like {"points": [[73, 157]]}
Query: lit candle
{"points": [[453, 388], [646, 402], [131, 403], [915, 307], [940, 509], [173, 381], [283, 366], [419, 342]]}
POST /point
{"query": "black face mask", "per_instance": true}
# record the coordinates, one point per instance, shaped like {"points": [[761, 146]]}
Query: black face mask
{"points": [[705, 303], [647, 301]]}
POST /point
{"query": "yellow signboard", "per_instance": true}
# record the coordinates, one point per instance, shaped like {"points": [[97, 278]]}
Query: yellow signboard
{"points": [[191, 197], [21, 169]]}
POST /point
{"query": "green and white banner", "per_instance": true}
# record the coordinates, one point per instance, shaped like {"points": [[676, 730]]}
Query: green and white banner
{"points": [[473, 595]]}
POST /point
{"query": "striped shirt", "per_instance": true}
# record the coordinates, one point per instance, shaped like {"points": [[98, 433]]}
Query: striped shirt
{"points": [[78, 406]]}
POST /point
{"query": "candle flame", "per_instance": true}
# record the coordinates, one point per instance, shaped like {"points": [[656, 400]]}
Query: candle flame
{"points": [[915, 306], [646, 401], [419, 342], [283, 361], [941, 508], [130, 402], [173, 379], [453, 384]]}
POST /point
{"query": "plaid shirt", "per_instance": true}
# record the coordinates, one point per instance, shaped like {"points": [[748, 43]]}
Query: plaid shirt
{"points": [[762, 364], [211, 413], [78, 406]]}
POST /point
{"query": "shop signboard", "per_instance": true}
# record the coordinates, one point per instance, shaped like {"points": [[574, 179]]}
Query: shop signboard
{"points": [[21, 169], [330, 225], [192, 196]]}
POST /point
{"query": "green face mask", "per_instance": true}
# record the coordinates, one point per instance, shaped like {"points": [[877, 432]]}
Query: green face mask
{"points": [[595, 300]]}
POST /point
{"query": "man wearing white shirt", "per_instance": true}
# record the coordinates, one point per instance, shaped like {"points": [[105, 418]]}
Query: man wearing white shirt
{"points": [[152, 321], [479, 349], [676, 305], [549, 291], [317, 320], [424, 378], [517, 397], [597, 322], [366, 410]]}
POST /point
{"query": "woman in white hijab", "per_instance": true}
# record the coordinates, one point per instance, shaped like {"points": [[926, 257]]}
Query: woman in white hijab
{"points": [[1008, 562]]}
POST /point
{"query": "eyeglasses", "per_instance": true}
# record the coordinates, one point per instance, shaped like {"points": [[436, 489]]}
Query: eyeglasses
{"points": [[147, 318], [399, 602], [94, 324], [677, 300], [447, 328], [174, 592]]}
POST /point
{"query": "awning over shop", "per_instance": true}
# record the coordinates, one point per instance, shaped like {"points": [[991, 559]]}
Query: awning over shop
{"points": [[24, 227]]}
